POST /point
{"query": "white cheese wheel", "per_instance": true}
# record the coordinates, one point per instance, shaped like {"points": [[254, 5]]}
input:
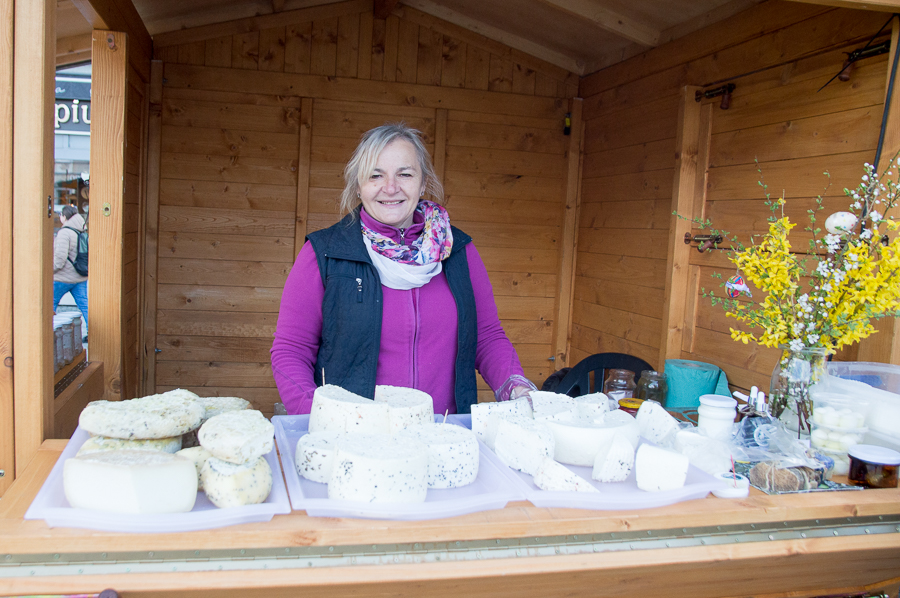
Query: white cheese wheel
{"points": [[134, 482], [379, 468], [452, 453], [523, 443], [156, 416], [315, 455], [657, 469], [337, 410], [407, 406], [102, 443], [547, 404], [198, 456], [485, 427], [554, 477], [238, 436], [236, 485], [656, 424], [594, 405], [578, 440], [614, 461]]}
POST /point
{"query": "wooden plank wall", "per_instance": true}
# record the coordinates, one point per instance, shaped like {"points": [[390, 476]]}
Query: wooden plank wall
{"points": [[778, 54], [258, 119], [7, 407]]}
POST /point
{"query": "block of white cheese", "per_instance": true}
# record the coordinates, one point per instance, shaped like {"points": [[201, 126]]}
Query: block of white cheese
{"points": [[594, 405], [135, 482], [547, 404], [656, 424], [379, 468], [315, 455], [198, 456], [657, 469], [337, 410], [578, 440], [614, 461], [523, 443], [237, 436], [407, 406], [102, 443], [554, 477], [485, 426], [156, 416], [452, 453], [236, 485]]}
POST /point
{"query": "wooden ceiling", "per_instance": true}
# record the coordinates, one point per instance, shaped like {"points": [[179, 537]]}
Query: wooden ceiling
{"points": [[581, 36]]}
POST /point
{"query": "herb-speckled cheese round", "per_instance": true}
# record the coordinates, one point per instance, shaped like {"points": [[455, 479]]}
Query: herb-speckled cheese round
{"points": [[237, 436], [134, 482], [236, 485], [156, 416], [198, 456], [379, 468], [337, 410], [102, 443], [315, 455], [406, 406], [452, 453]]}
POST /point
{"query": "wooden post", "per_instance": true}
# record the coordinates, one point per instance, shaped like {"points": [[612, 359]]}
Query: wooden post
{"points": [[303, 160], [7, 420], [884, 346], [568, 238], [687, 149], [108, 87], [32, 281], [151, 232]]}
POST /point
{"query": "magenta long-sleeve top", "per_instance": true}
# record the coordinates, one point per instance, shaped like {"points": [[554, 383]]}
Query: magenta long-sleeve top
{"points": [[418, 334]]}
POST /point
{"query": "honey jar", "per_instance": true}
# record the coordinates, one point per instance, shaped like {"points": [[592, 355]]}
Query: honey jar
{"points": [[873, 466]]}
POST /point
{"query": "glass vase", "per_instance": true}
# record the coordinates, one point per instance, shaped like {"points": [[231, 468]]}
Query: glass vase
{"points": [[789, 393]]}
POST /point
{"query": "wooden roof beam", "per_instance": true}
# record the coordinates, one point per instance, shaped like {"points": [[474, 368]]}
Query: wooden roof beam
{"points": [[609, 20], [118, 15], [882, 5], [564, 61], [74, 49]]}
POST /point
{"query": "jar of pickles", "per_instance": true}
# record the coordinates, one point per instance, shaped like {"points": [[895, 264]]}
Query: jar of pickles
{"points": [[652, 387], [619, 384]]}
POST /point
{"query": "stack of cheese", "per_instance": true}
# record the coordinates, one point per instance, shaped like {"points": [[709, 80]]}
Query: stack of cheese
{"points": [[555, 429], [128, 465], [386, 450]]}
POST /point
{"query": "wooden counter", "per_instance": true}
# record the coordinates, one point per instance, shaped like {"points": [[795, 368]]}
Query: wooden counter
{"points": [[791, 545]]}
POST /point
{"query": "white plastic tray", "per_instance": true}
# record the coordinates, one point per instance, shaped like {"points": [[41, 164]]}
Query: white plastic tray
{"points": [[492, 489], [612, 496], [51, 505]]}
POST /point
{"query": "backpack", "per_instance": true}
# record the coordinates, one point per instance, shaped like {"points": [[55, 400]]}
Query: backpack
{"points": [[81, 257]]}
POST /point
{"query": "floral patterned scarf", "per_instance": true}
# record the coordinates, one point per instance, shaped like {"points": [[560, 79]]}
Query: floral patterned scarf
{"points": [[433, 245]]}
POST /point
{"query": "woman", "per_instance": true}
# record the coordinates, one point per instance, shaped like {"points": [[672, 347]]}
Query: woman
{"points": [[65, 247], [392, 294]]}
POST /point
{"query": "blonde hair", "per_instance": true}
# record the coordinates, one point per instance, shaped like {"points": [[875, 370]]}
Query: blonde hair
{"points": [[362, 163]]}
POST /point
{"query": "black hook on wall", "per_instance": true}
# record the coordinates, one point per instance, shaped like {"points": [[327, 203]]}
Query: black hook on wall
{"points": [[724, 91]]}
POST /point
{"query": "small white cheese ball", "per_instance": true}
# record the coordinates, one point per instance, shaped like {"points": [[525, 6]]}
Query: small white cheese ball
{"points": [[198, 456], [237, 436], [232, 485]]}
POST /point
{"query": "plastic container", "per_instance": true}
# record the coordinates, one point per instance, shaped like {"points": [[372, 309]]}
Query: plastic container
{"points": [[652, 387], [57, 347], [873, 466], [840, 410], [841, 460], [882, 376], [716, 416], [619, 384], [878, 384]]}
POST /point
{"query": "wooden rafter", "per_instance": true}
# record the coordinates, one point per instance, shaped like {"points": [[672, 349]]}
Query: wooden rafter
{"points": [[882, 5], [609, 20], [569, 63]]}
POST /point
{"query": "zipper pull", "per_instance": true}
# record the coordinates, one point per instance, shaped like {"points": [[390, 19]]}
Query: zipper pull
{"points": [[359, 290]]}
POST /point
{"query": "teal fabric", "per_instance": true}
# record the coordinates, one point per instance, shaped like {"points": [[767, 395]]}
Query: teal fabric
{"points": [[687, 380]]}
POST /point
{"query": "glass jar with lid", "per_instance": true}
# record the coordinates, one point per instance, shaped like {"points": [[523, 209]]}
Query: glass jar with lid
{"points": [[652, 387], [619, 384]]}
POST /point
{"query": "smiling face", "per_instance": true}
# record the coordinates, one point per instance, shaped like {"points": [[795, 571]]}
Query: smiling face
{"points": [[391, 193]]}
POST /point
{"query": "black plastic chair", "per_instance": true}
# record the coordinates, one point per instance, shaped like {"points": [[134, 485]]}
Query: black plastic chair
{"points": [[577, 381]]}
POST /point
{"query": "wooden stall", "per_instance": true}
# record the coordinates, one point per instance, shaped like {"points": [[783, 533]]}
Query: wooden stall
{"points": [[218, 141]]}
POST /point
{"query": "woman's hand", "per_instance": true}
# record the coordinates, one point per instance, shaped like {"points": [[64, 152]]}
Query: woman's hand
{"points": [[515, 387]]}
